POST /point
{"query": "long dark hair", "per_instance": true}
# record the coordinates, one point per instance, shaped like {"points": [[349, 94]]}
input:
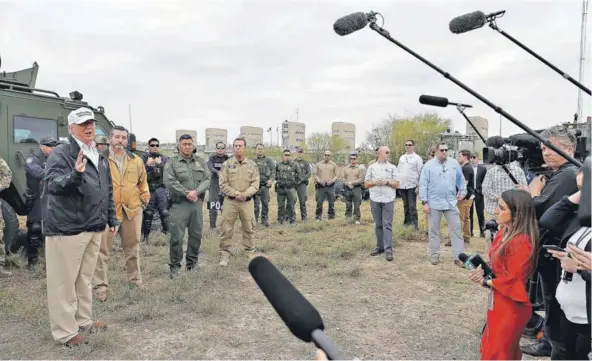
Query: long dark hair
{"points": [[523, 222]]}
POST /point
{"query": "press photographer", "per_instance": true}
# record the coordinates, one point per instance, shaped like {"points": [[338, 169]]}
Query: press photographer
{"points": [[573, 291], [545, 192], [498, 180]]}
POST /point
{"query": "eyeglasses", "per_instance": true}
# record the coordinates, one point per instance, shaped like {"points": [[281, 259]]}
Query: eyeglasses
{"points": [[443, 150], [327, 155], [155, 145], [221, 148]]}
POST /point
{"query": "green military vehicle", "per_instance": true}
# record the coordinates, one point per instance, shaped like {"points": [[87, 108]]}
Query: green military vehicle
{"points": [[27, 114]]}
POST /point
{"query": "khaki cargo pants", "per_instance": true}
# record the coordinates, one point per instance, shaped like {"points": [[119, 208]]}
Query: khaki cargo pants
{"points": [[234, 209]]}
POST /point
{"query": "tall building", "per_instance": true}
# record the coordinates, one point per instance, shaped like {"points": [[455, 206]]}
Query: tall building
{"points": [[253, 135], [347, 132], [293, 134], [482, 126], [215, 135]]}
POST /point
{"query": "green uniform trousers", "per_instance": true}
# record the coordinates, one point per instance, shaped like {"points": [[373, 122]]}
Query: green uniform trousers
{"points": [[353, 197], [302, 191], [185, 215], [262, 196], [286, 198]]}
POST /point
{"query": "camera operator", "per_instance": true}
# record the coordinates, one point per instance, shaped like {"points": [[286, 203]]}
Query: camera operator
{"points": [[545, 193], [573, 294], [496, 182]]}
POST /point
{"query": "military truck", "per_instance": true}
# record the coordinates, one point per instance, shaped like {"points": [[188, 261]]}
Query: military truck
{"points": [[28, 113]]}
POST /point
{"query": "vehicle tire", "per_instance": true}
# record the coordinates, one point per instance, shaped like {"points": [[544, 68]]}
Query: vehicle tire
{"points": [[11, 227]]}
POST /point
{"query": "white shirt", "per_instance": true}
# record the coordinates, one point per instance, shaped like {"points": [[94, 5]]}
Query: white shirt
{"points": [[382, 171], [90, 151], [409, 170], [571, 296]]}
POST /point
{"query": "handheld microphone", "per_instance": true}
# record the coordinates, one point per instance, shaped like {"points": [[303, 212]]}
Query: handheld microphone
{"points": [[371, 18], [303, 320], [476, 19], [475, 261], [351, 23]]}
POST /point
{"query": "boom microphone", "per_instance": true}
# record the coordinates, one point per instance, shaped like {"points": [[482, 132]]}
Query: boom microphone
{"points": [[432, 100], [350, 23], [471, 21], [476, 19], [303, 320], [371, 18]]}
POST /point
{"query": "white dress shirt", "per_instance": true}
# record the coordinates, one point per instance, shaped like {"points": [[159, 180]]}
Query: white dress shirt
{"points": [[382, 171], [90, 151], [409, 170]]}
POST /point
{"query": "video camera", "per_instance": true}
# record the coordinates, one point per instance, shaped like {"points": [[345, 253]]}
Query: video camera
{"points": [[526, 150]]}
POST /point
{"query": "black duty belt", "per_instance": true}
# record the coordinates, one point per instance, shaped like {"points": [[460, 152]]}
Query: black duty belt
{"points": [[246, 200]]}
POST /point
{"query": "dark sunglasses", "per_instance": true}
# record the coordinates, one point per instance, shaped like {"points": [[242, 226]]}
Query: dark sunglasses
{"points": [[443, 150], [220, 148], [327, 155], [155, 145]]}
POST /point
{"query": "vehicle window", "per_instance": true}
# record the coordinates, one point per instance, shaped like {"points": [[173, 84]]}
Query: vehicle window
{"points": [[31, 130], [99, 130]]}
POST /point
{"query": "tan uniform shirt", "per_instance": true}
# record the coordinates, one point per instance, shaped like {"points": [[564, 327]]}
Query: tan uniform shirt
{"points": [[353, 174], [239, 177], [326, 171]]}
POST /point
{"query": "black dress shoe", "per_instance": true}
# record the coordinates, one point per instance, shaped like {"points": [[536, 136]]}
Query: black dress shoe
{"points": [[537, 349], [377, 252], [389, 256]]}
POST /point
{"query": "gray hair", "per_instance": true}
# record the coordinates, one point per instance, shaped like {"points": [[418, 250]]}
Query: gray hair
{"points": [[560, 134]]}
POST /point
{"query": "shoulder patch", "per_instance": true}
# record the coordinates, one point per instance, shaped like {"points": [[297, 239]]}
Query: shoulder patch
{"points": [[29, 160]]}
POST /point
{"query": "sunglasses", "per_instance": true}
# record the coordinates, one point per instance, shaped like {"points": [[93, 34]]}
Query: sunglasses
{"points": [[443, 150], [327, 155], [155, 145], [221, 148]]}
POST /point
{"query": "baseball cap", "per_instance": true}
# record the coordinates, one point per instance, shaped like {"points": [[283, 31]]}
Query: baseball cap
{"points": [[80, 116], [48, 141]]}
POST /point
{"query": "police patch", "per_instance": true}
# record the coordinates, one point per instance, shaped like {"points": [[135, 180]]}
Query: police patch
{"points": [[231, 166]]}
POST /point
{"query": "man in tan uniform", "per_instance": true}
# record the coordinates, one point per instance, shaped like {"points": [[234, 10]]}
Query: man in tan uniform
{"points": [[131, 197], [352, 176], [239, 181], [326, 173], [5, 180]]}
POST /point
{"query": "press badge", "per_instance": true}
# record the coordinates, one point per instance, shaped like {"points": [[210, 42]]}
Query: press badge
{"points": [[490, 299]]}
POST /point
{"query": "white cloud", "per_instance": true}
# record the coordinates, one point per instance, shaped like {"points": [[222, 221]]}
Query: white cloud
{"points": [[199, 64]]}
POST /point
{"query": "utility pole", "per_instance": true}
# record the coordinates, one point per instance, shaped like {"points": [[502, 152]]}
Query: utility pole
{"points": [[582, 55]]}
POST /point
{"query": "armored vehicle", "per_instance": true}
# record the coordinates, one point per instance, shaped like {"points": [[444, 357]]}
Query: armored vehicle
{"points": [[28, 113]]}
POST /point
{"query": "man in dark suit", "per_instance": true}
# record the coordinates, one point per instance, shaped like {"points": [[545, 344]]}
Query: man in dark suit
{"points": [[479, 170]]}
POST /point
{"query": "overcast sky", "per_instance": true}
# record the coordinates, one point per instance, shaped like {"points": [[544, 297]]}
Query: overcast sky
{"points": [[199, 64]]}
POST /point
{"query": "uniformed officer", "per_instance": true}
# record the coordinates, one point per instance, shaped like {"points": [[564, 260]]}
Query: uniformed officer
{"points": [[187, 178], [35, 171], [301, 188], [215, 196], [159, 198], [352, 176], [5, 180], [239, 181], [267, 176], [102, 143], [326, 173], [287, 176]]}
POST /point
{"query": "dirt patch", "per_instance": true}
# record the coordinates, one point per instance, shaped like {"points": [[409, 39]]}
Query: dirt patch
{"points": [[372, 309]]}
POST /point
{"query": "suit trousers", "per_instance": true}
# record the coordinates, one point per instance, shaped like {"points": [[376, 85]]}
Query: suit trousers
{"points": [[70, 263]]}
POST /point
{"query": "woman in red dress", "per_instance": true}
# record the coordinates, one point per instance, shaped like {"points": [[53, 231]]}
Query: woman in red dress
{"points": [[513, 260]]}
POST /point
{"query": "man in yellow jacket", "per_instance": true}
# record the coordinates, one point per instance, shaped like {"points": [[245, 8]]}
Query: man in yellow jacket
{"points": [[131, 196]]}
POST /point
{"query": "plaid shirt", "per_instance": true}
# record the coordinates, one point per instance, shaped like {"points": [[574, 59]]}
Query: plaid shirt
{"points": [[497, 181]]}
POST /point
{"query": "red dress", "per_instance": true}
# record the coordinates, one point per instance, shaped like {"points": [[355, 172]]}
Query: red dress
{"points": [[509, 306]]}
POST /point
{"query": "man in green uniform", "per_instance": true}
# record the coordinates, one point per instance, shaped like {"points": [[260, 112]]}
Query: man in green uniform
{"points": [[239, 181], [187, 178], [267, 176], [301, 188], [353, 176], [288, 176]]}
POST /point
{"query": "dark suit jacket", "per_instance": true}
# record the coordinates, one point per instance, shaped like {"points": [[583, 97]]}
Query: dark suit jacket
{"points": [[481, 171]]}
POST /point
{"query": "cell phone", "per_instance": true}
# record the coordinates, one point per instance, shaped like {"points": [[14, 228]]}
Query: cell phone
{"points": [[553, 247]]}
